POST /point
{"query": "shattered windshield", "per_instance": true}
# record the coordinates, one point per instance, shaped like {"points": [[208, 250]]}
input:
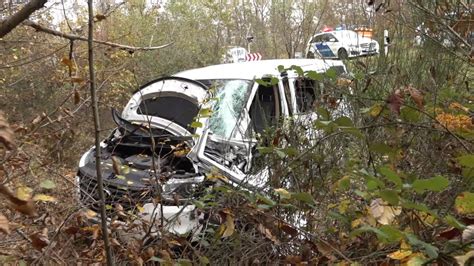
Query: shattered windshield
{"points": [[231, 98]]}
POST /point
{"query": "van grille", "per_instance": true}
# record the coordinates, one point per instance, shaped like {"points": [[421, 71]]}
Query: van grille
{"points": [[370, 46], [128, 197]]}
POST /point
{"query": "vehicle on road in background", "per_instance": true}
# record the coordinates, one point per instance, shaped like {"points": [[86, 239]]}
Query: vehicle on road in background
{"points": [[235, 54], [341, 44]]}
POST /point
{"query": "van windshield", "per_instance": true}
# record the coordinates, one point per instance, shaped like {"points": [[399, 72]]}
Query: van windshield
{"points": [[231, 96]]}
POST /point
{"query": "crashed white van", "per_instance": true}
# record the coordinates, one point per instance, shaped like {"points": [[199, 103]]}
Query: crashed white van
{"points": [[176, 130]]}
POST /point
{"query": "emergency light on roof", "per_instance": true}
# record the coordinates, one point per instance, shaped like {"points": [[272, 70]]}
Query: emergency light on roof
{"points": [[327, 29]]}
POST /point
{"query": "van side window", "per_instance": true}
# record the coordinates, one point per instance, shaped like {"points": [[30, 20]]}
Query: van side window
{"points": [[329, 36], [265, 109], [305, 93], [318, 38]]}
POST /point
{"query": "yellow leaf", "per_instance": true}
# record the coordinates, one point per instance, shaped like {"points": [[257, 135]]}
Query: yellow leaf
{"points": [[399, 254], [43, 197], [376, 110], [181, 152], [343, 82], [343, 206], [283, 193], [90, 214], [229, 226], [355, 223], [214, 176], [404, 245], [427, 218], [24, 193]]}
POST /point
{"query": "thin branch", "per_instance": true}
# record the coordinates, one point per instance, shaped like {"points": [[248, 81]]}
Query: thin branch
{"points": [[11, 64], [95, 110], [10, 23], [73, 37], [109, 12]]}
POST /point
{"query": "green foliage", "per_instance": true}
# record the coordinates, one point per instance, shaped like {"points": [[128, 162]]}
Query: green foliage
{"points": [[466, 160], [465, 203], [437, 183]]}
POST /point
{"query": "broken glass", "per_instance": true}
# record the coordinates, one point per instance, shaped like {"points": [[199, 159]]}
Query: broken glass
{"points": [[231, 98]]}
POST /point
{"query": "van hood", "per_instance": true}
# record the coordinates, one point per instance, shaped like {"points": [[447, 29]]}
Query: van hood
{"points": [[171, 104], [366, 40]]}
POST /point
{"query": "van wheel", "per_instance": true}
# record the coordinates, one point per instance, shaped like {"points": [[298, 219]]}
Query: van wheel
{"points": [[342, 54]]}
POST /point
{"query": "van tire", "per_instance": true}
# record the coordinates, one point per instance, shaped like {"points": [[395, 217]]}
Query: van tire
{"points": [[342, 54]]}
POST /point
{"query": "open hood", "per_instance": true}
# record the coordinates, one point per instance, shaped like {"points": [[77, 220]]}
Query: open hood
{"points": [[170, 104]]}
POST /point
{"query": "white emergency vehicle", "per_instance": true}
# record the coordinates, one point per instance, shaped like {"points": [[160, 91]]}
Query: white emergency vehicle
{"points": [[342, 44]]}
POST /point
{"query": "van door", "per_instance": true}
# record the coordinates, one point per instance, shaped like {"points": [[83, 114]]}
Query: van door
{"points": [[322, 45], [233, 157], [333, 43]]}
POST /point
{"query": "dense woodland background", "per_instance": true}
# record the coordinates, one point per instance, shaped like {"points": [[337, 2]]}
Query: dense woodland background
{"points": [[392, 184]]}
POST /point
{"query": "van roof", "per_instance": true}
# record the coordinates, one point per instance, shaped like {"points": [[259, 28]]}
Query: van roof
{"points": [[255, 69]]}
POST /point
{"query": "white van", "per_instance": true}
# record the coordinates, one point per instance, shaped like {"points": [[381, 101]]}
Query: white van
{"points": [[342, 44], [166, 131]]}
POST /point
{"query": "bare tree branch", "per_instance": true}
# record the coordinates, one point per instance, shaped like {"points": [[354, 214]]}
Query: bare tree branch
{"points": [[95, 110], [10, 23], [73, 37]]}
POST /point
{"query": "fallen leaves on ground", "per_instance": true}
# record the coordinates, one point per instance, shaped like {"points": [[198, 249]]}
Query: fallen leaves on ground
{"points": [[468, 234], [6, 133], [402, 253], [43, 197], [326, 250], [40, 240], [4, 225], [462, 260], [267, 233], [383, 213], [23, 206]]}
